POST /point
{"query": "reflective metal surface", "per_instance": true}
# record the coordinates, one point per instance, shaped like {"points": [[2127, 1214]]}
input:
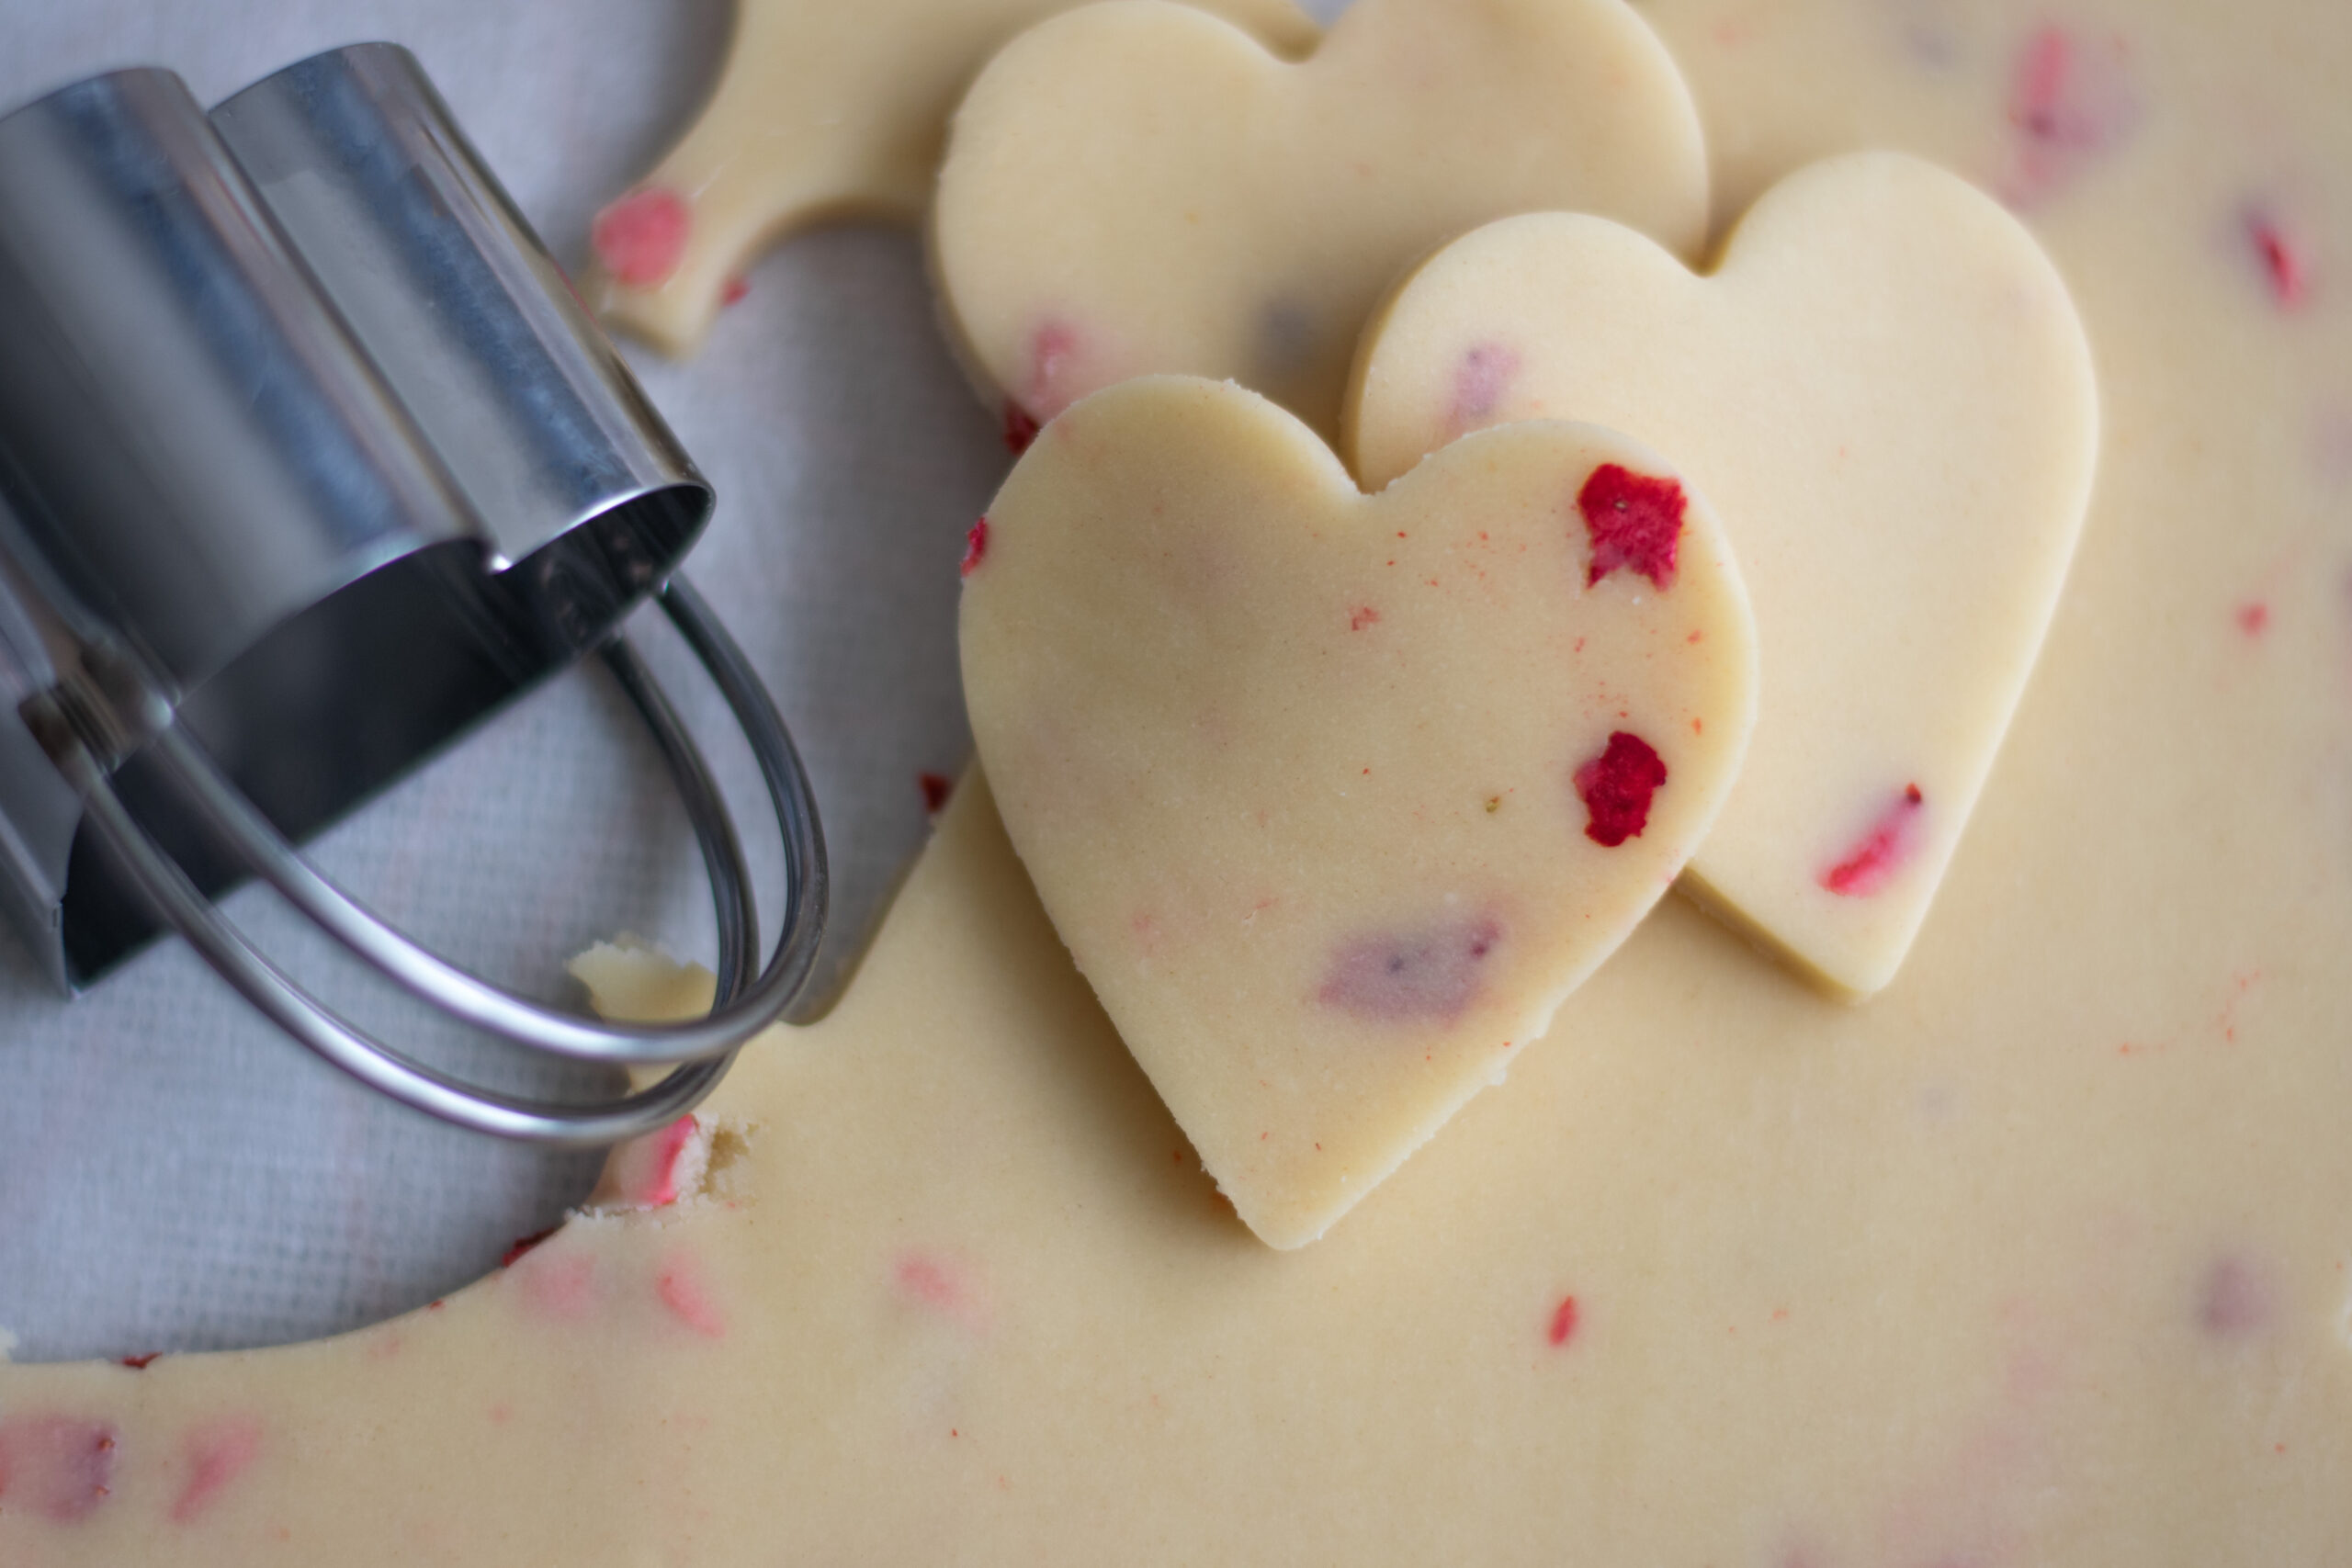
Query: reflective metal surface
{"points": [[301, 410], [187, 435], [744, 1006], [566, 465], [384, 474]]}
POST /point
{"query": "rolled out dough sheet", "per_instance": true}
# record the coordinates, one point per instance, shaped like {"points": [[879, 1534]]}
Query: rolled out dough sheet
{"points": [[2039, 1258]]}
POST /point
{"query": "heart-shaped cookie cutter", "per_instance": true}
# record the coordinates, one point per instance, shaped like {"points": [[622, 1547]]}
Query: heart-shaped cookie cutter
{"points": [[312, 458]]}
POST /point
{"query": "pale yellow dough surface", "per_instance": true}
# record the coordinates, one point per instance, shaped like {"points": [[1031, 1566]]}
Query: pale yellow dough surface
{"points": [[828, 109], [1320, 788], [1135, 187], [1884, 388], [2039, 1259]]}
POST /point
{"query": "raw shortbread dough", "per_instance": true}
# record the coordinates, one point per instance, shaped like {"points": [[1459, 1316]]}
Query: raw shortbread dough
{"points": [[1136, 187], [827, 108], [1334, 797], [2039, 1259], [1884, 388]]}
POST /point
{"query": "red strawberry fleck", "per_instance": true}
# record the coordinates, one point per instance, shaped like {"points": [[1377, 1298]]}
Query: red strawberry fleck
{"points": [[641, 238], [1362, 615], [2284, 260], [141, 1363], [1563, 1321], [1616, 788], [524, 1244], [975, 546], [1635, 522], [2254, 617], [1865, 868], [2067, 103], [1020, 428], [667, 1147], [734, 291]]}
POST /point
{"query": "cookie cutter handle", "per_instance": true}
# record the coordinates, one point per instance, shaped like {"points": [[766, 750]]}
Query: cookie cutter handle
{"points": [[705, 1045]]}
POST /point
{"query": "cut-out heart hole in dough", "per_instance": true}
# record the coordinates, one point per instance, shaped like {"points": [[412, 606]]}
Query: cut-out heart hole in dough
{"points": [[1885, 391], [1334, 797], [1138, 188], [827, 110]]}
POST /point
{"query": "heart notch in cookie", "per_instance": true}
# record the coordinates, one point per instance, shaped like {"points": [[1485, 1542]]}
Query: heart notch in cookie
{"points": [[1334, 797], [1136, 187]]}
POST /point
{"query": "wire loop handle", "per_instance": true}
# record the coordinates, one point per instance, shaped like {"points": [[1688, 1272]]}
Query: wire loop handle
{"points": [[744, 1004]]}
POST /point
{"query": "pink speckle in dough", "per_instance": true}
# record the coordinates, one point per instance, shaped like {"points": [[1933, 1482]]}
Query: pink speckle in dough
{"points": [[2284, 257], [1053, 365], [2241, 984], [1144, 926], [2254, 617], [1635, 522], [61, 1467], [1362, 615], [928, 1280], [659, 1188], [559, 1286], [734, 291], [1020, 428], [922, 1278], [680, 1285], [2068, 101], [1617, 787], [2235, 1299], [1400, 977], [217, 1452], [1480, 381], [976, 547], [1869, 863], [1563, 1321], [641, 238]]}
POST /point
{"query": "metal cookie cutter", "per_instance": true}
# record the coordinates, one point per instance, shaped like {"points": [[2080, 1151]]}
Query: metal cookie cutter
{"points": [[310, 458]]}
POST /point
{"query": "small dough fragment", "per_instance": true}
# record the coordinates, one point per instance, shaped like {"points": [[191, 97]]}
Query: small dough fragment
{"points": [[1885, 391], [1334, 797], [1136, 187], [825, 111]]}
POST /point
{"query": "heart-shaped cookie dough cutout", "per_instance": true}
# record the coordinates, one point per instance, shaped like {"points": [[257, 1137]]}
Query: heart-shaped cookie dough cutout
{"points": [[1886, 392], [826, 109], [1334, 797], [1138, 188]]}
